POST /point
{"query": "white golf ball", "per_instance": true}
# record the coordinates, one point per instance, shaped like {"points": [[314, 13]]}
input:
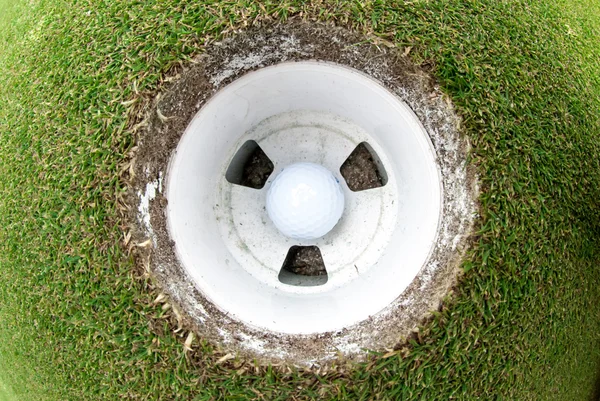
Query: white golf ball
{"points": [[305, 201]]}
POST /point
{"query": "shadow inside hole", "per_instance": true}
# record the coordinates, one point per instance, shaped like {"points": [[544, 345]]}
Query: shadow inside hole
{"points": [[304, 267], [250, 167], [363, 169]]}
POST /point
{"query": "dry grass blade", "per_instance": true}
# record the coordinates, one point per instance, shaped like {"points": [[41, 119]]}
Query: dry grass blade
{"points": [[188, 341]]}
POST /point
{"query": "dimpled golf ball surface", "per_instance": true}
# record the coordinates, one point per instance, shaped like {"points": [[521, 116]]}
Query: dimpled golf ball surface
{"points": [[305, 201]]}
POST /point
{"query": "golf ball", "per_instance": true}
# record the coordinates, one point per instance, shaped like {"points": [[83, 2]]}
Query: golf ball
{"points": [[305, 201]]}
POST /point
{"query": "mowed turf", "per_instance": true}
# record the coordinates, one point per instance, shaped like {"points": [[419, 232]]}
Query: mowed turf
{"points": [[77, 320]]}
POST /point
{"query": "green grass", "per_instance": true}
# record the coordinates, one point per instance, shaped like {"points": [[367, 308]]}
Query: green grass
{"points": [[6, 393], [76, 320]]}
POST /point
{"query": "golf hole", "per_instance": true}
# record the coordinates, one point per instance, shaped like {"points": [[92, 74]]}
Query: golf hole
{"points": [[384, 135]]}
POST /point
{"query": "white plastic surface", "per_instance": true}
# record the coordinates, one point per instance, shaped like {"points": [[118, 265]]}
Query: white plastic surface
{"points": [[305, 201], [303, 112], [354, 245]]}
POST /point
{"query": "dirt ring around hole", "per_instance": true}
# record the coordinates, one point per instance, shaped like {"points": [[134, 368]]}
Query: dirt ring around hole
{"points": [[267, 45]]}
